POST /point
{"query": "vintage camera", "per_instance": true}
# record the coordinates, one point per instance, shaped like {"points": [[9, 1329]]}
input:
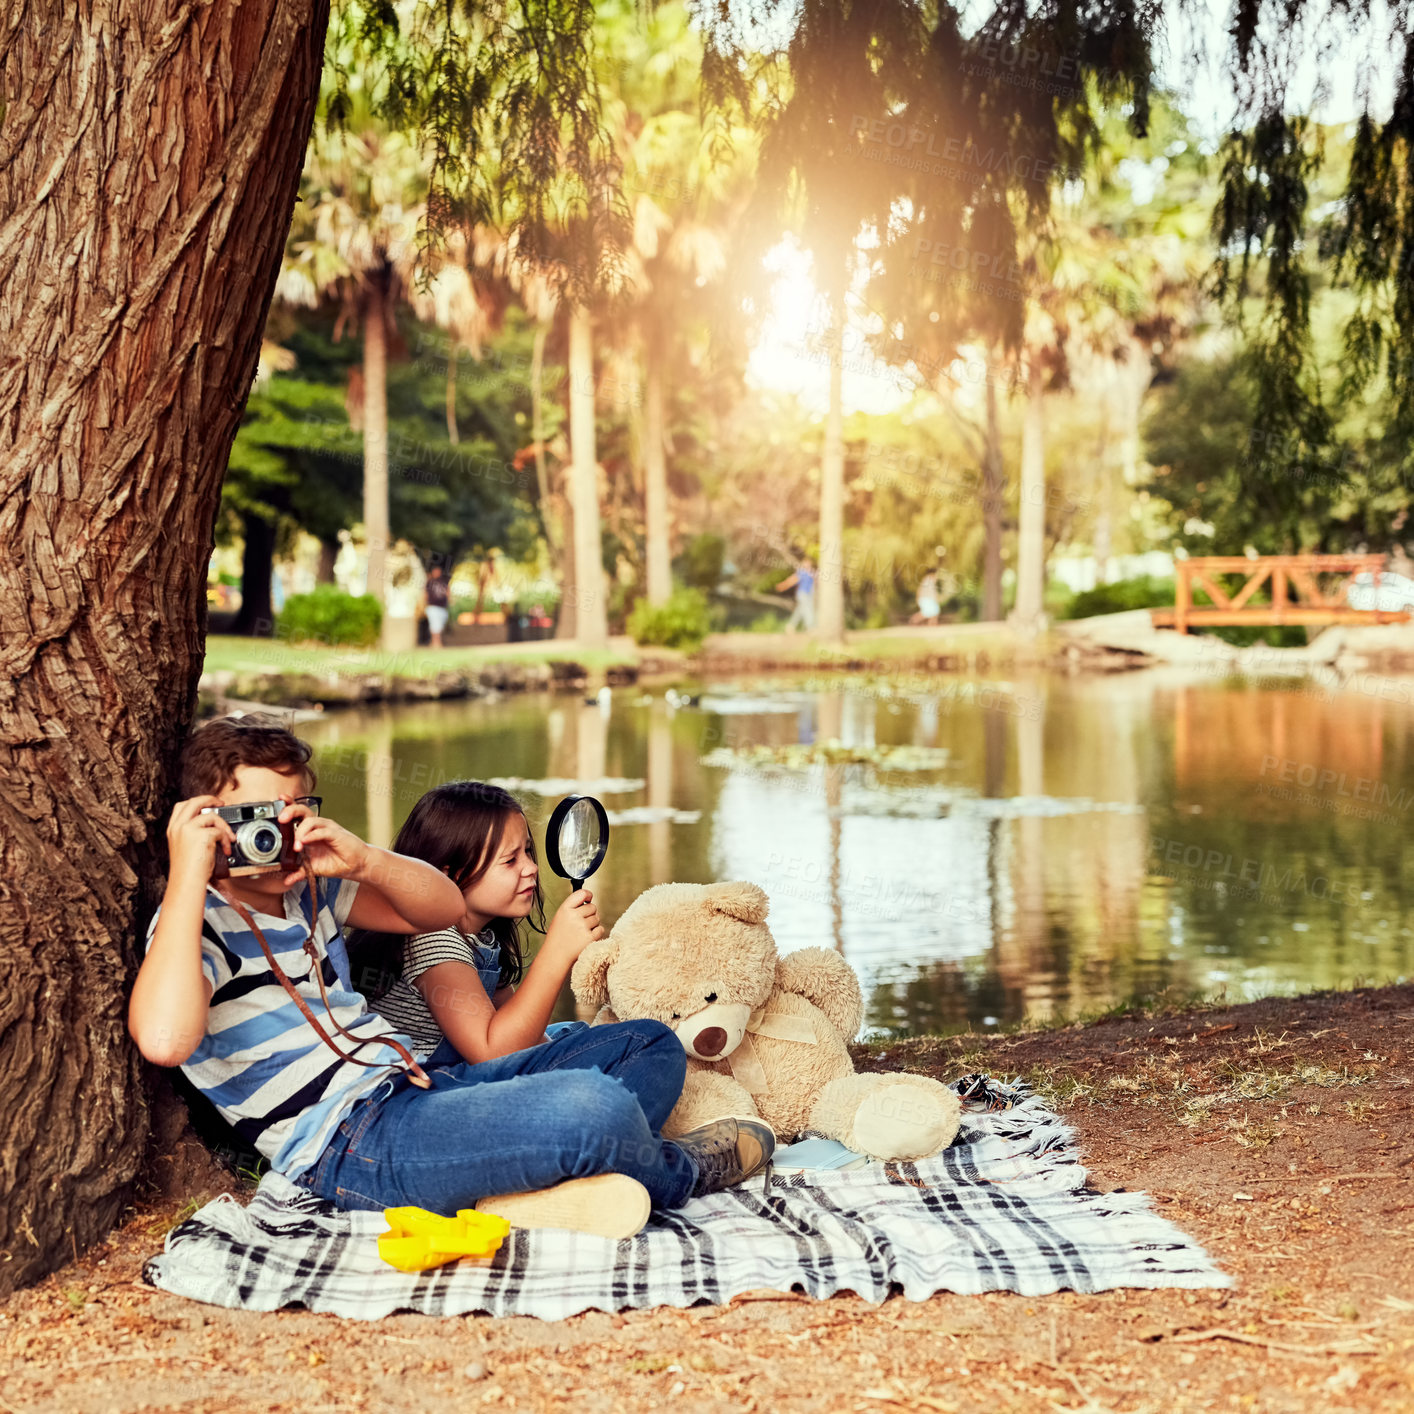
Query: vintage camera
{"points": [[261, 842]]}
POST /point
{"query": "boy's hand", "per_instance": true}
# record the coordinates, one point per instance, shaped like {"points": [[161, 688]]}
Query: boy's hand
{"points": [[575, 925], [194, 838], [333, 851]]}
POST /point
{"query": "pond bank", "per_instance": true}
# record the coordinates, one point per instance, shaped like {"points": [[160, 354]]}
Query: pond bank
{"points": [[1279, 1133], [311, 676], [269, 672]]}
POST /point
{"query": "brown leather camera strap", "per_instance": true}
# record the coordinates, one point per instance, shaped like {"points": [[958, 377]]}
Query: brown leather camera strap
{"points": [[415, 1072]]}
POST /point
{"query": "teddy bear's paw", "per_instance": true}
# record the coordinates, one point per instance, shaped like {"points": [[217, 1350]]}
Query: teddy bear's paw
{"points": [[902, 1119]]}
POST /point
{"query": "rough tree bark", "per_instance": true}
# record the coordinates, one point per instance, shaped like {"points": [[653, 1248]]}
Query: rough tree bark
{"points": [[150, 153]]}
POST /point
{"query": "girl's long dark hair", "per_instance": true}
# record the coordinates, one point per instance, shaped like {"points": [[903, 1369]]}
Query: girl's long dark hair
{"points": [[457, 827]]}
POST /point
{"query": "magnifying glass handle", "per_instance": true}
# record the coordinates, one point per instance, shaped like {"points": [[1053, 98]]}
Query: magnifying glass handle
{"points": [[576, 885]]}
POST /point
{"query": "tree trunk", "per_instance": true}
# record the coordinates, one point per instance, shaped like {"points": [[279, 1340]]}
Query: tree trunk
{"points": [[453, 435], [591, 617], [553, 536], [555, 514], [993, 495], [149, 161], [567, 621], [257, 613], [1031, 533], [829, 578], [655, 471], [1104, 534], [375, 432], [328, 553]]}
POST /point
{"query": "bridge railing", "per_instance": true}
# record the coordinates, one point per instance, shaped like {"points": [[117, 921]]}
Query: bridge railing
{"points": [[1296, 595]]}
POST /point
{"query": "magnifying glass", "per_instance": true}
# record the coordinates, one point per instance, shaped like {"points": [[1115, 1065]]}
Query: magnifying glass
{"points": [[577, 838]]}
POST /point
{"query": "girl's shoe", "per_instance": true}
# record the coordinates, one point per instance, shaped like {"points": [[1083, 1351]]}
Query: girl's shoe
{"points": [[609, 1205], [727, 1152]]}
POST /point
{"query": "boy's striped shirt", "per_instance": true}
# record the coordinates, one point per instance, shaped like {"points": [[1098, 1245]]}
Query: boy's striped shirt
{"points": [[260, 1062]]}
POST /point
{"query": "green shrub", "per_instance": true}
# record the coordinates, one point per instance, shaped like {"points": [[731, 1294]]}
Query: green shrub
{"points": [[702, 560], [683, 622], [328, 615], [1145, 591], [767, 623], [1151, 592]]}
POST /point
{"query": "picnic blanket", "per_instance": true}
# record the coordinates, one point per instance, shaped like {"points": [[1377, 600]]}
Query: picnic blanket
{"points": [[1005, 1208]]}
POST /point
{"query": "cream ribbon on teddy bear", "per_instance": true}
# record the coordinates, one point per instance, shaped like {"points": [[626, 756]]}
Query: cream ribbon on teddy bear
{"points": [[745, 1064]]}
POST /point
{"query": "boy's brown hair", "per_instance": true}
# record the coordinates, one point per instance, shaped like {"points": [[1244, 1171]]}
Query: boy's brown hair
{"points": [[214, 752]]}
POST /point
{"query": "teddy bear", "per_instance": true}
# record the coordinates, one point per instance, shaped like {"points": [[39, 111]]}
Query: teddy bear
{"points": [[766, 1036]]}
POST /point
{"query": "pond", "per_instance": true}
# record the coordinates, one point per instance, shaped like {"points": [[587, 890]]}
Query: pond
{"points": [[980, 851]]}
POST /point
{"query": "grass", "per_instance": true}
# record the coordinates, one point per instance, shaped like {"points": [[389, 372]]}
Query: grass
{"points": [[966, 640], [1166, 1003], [1197, 1090], [225, 653], [1161, 1005], [167, 1221]]}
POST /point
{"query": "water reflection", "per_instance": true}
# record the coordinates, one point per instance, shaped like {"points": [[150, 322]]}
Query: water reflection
{"points": [[1084, 840]]}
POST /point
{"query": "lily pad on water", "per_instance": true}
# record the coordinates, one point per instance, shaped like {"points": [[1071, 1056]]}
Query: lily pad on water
{"points": [[746, 706], [801, 755], [932, 803], [565, 785], [652, 815]]}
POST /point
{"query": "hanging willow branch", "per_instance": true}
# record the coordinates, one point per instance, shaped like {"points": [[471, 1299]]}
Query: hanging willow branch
{"points": [[928, 123]]}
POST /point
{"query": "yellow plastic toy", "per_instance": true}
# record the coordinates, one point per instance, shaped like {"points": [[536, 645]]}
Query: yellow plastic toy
{"points": [[417, 1239]]}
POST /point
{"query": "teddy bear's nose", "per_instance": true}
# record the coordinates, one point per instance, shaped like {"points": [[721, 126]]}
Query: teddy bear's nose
{"points": [[710, 1041]]}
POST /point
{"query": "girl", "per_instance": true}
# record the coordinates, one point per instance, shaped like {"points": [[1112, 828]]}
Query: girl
{"points": [[561, 1131], [455, 991]]}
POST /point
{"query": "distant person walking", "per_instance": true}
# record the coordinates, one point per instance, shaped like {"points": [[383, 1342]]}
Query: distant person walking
{"points": [[929, 605], [803, 582], [436, 593]]}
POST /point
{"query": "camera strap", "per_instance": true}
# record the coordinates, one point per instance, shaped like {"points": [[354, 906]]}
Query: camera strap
{"points": [[415, 1072]]}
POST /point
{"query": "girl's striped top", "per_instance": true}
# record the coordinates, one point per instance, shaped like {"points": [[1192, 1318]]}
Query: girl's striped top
{"points": [[260, 1062], [404, 1006]]}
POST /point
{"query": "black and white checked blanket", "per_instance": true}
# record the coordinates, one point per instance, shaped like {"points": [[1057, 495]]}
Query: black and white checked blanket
{"points": [[1005, 1208]]}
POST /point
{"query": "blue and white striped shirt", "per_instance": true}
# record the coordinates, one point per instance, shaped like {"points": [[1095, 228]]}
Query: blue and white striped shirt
{"points": [[260, 1062]]}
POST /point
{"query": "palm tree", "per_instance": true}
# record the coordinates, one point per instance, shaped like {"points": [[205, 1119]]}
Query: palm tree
{"points": [[452, 302], [354, 243], [1114, 276], [689, 184], [590, 602]]}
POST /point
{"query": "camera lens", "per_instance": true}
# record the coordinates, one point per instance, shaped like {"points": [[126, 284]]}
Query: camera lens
{"points": [[260, 842]]}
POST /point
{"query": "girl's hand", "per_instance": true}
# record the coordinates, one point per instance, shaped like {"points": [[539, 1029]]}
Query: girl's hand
{"points": [[333, 851], [194, 838], [574, 926]]}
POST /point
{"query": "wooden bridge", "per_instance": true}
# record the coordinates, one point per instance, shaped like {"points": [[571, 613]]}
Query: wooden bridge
{"points": [[1297, 595]]}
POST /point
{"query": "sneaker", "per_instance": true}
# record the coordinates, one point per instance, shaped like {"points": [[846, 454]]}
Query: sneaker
{"points": [[609, 1205], [727, 1152]]}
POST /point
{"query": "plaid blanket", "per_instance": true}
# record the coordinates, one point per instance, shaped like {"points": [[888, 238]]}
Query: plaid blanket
{"points": [[1005, 1208]]}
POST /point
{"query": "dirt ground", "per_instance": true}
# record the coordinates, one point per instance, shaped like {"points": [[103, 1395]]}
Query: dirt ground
{"points": [[1279, 1133]]}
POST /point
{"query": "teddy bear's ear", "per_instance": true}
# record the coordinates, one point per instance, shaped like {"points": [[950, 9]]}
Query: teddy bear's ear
{"points": [[748, 902], [589, 979]]}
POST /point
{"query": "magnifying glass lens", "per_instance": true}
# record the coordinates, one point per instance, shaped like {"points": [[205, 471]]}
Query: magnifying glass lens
{"points": [[579, 839]]}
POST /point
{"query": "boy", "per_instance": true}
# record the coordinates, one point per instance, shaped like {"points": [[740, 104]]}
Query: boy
{"points": [[348, 1123]]}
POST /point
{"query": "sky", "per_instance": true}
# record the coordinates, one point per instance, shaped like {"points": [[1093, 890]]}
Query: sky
{"points": [[1331, 87]]}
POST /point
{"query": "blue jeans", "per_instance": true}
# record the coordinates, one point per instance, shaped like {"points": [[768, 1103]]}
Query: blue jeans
{"points": [[593, 1100]]}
